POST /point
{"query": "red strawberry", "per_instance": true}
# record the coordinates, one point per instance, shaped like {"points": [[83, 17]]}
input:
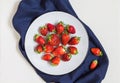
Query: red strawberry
{"points": [[74, 40], [58, 51], [73, 50], [39, 49], [65, 38], [44, 30], [53, 40], [59, 28], [71, 29], [55, 61], [51, 27], [96, 51], [93, 64], [48, 48], [66, 57], [39, 39], [47, 57]]}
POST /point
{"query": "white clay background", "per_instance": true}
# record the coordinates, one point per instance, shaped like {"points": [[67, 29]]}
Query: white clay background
{"points": [[103, 17]]}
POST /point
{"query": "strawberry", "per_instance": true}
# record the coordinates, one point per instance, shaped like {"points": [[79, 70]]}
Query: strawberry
{"points": [[65, 38], [39, 39], [53, 39], [51, 27], [96, 51], [74, 40], [55, 61], [73, 50], [93, 64], [66, 57], [71, 29], [39, 49], [44, 30], [59, 51], [47, 57], [48, 48], [59, 28]]}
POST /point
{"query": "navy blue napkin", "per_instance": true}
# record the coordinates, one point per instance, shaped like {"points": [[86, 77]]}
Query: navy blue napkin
{"points": [[29, 10]]}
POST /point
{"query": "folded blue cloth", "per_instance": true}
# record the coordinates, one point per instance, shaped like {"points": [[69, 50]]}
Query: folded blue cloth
{"points": [[29, 10]]}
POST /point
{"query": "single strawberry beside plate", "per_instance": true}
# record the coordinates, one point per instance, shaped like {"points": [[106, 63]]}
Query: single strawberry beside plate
{"points": [[96, 51], [93, 64]]}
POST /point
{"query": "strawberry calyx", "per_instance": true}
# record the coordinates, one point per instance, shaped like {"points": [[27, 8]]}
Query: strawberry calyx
{"points": [[76, 52], [36, 36], [61, 23], [101, 53]]}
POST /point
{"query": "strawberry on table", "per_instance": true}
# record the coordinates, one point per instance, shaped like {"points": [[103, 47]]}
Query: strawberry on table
{"points": [[72, 50], [71, 29], [74, 40], [55, 61], [39, 49], [96, 51], [39, 39], [47, 57], [50, 27], [59, 27], [66, 57], [59, 51], [93, 64], [65, 38], [43, 30], [53, 39], [48, 48]]}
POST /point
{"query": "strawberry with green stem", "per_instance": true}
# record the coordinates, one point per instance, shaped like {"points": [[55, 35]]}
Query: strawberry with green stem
{"points": [[53, 39], [59, 51], [51, 27], [48, 48], [72, 50], [47, 57], [71, 29], [43, 30], [96, 51], [74, 40], [66, 57], [93, 64], [60, 27], [55, 61], [65, 37], [39, 39], [38, 49]]}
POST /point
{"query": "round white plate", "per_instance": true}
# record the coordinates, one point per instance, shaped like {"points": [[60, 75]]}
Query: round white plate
{"points": [[63, 67]]}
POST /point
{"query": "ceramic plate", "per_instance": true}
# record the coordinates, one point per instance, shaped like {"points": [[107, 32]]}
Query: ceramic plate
{"points": [[63, 67]]}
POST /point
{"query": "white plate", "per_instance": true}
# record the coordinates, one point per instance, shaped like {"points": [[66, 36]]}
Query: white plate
{"points": [[63, 67]]}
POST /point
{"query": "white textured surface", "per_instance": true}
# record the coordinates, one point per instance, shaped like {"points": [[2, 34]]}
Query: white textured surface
{"points": [[100, 15]]}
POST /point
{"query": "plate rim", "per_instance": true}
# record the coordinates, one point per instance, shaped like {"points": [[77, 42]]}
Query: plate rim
{"points": [[56, 12]]}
